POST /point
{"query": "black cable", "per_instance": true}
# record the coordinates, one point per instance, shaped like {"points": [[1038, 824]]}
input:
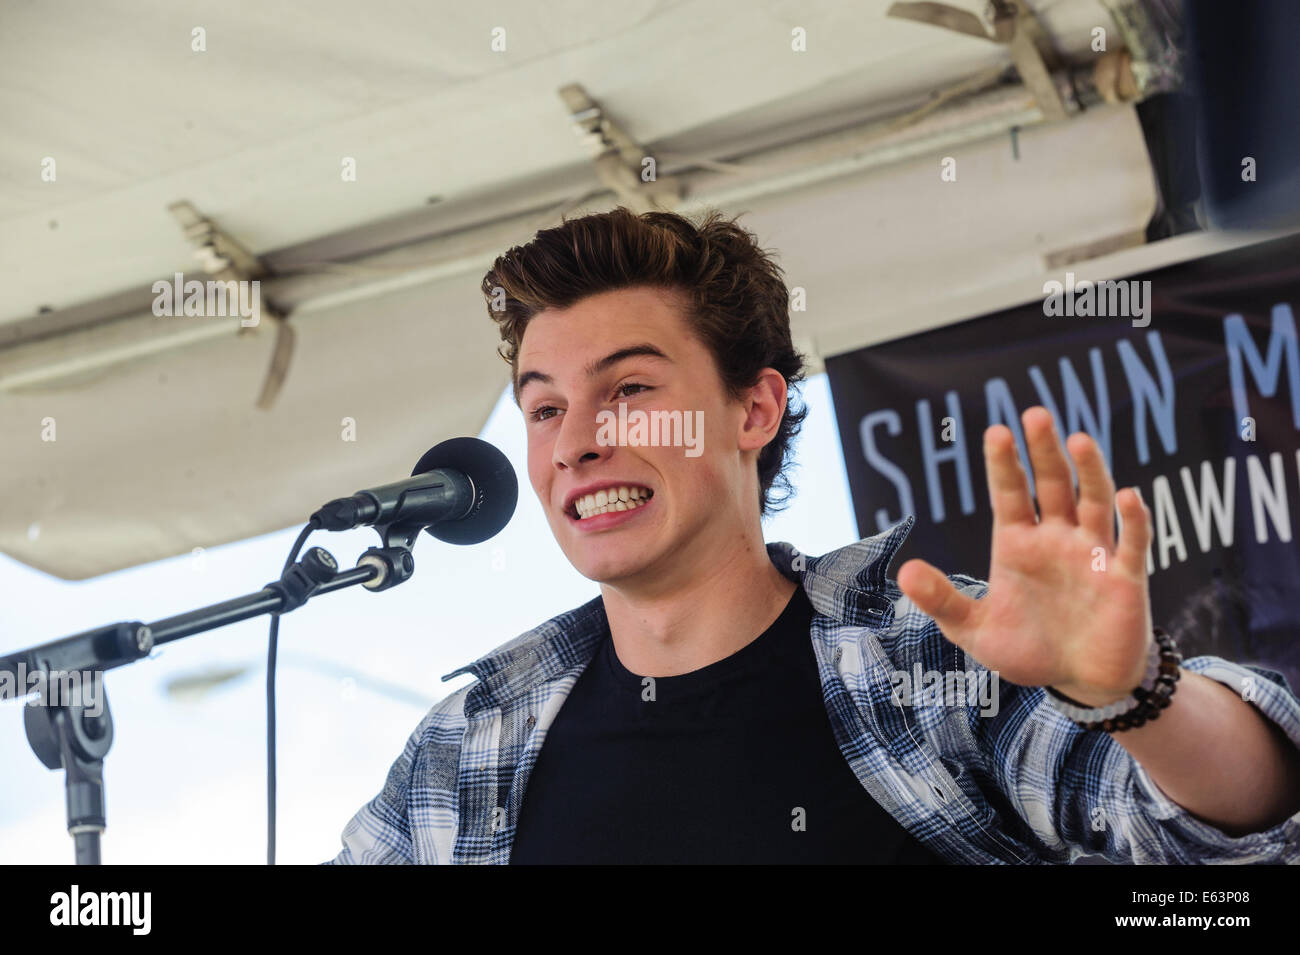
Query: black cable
{"points": [[270, 701]]}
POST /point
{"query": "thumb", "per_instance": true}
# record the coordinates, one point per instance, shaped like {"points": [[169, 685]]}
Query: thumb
{"points": [[934, 595]]}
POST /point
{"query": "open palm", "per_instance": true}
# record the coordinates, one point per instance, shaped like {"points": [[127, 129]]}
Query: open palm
{"points": [[1067, 603]]}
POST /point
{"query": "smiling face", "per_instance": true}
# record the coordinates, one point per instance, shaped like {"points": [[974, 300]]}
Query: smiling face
{"points": [[634, 347]]}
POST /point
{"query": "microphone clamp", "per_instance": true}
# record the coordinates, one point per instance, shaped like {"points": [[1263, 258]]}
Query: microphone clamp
{"points": [[304, 578], [393, 565]]}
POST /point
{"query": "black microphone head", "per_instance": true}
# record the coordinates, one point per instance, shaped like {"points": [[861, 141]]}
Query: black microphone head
{"points": [[495, 486]]}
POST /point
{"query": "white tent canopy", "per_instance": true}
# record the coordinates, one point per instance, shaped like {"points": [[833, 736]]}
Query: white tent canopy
{"points": [[158, 446]]}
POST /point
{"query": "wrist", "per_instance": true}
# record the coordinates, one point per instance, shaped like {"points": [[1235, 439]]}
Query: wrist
{"points": [[1104, 711], [1088, 697], [1094, 696]]}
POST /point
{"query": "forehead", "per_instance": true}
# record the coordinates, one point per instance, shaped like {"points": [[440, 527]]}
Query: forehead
{"points": [[646, 313]]}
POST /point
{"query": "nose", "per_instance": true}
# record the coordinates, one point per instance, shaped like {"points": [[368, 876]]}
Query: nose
{"points": [[577, 441]]}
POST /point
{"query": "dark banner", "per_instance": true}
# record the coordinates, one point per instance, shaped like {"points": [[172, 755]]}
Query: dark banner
{"points": [[1187, 376]]}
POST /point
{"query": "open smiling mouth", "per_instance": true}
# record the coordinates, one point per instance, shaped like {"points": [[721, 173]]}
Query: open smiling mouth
{"points": [[624, 497]]}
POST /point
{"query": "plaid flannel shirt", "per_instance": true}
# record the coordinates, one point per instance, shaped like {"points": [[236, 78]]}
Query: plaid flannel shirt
{"points": [[1023, 785]]}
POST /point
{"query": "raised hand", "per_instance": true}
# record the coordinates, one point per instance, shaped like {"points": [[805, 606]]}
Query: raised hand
{"points": [[1067, 604]]}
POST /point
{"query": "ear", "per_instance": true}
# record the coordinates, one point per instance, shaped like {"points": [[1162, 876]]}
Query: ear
{"points": [[764, 404]]}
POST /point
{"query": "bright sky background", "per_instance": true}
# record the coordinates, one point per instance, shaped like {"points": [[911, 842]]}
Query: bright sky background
{"points": [[185, 780]]}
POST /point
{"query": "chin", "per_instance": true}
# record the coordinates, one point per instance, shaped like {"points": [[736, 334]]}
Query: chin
{"points": [[606, 568], [609, 556], [608, 561]]}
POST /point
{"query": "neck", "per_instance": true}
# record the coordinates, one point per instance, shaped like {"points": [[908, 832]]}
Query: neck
{"points": [[710, 608]]}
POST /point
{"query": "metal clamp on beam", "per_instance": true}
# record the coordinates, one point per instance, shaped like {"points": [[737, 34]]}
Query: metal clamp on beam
{"points": [[1016, 27], [225, 259], [624, 165]]}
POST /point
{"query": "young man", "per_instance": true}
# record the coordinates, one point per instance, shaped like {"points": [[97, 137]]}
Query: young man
{"points": [[724, 700]]}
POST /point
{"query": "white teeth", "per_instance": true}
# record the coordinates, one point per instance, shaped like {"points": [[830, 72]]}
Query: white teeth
{"points": [[621, 498]]}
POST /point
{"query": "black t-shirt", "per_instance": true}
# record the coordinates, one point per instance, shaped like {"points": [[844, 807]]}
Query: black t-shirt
{"points": [[732, 763]]}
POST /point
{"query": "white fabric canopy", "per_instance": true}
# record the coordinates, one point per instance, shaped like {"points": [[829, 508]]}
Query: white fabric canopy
{"points": [[160, 453]]}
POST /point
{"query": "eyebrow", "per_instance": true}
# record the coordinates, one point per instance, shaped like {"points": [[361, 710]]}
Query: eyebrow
{"points": [[643, 350]]}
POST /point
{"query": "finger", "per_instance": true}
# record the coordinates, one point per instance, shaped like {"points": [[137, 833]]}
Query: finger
{"points": [[1051, 470], [1135, 531], [936, 597], [1096, 504], [1008, 483]]}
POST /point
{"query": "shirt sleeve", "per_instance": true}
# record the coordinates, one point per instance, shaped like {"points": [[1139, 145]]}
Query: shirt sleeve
{"points": [[1081, 792], [380, 832]]}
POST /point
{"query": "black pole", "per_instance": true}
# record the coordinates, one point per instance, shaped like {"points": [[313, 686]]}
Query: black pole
{"points": [[75, 734]]}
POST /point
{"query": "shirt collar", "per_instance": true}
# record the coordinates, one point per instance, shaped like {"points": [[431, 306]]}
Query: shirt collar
{"points": [[848, 585]]}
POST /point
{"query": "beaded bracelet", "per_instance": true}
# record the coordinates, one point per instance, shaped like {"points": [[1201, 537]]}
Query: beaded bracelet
{"points": [[1143, 704]]}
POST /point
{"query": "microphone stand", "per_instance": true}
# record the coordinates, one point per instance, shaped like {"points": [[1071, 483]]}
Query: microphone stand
{"points": [[75, 735]]}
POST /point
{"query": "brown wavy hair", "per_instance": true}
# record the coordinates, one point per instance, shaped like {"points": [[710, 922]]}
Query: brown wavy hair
{"points": [[738, 301]]}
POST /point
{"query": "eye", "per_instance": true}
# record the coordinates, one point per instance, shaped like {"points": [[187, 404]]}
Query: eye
{"points": [[622, 389], [542, 413]]}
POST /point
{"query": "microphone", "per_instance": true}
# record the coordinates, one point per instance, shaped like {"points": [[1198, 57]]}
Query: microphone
{"points": [[463, 491]]}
